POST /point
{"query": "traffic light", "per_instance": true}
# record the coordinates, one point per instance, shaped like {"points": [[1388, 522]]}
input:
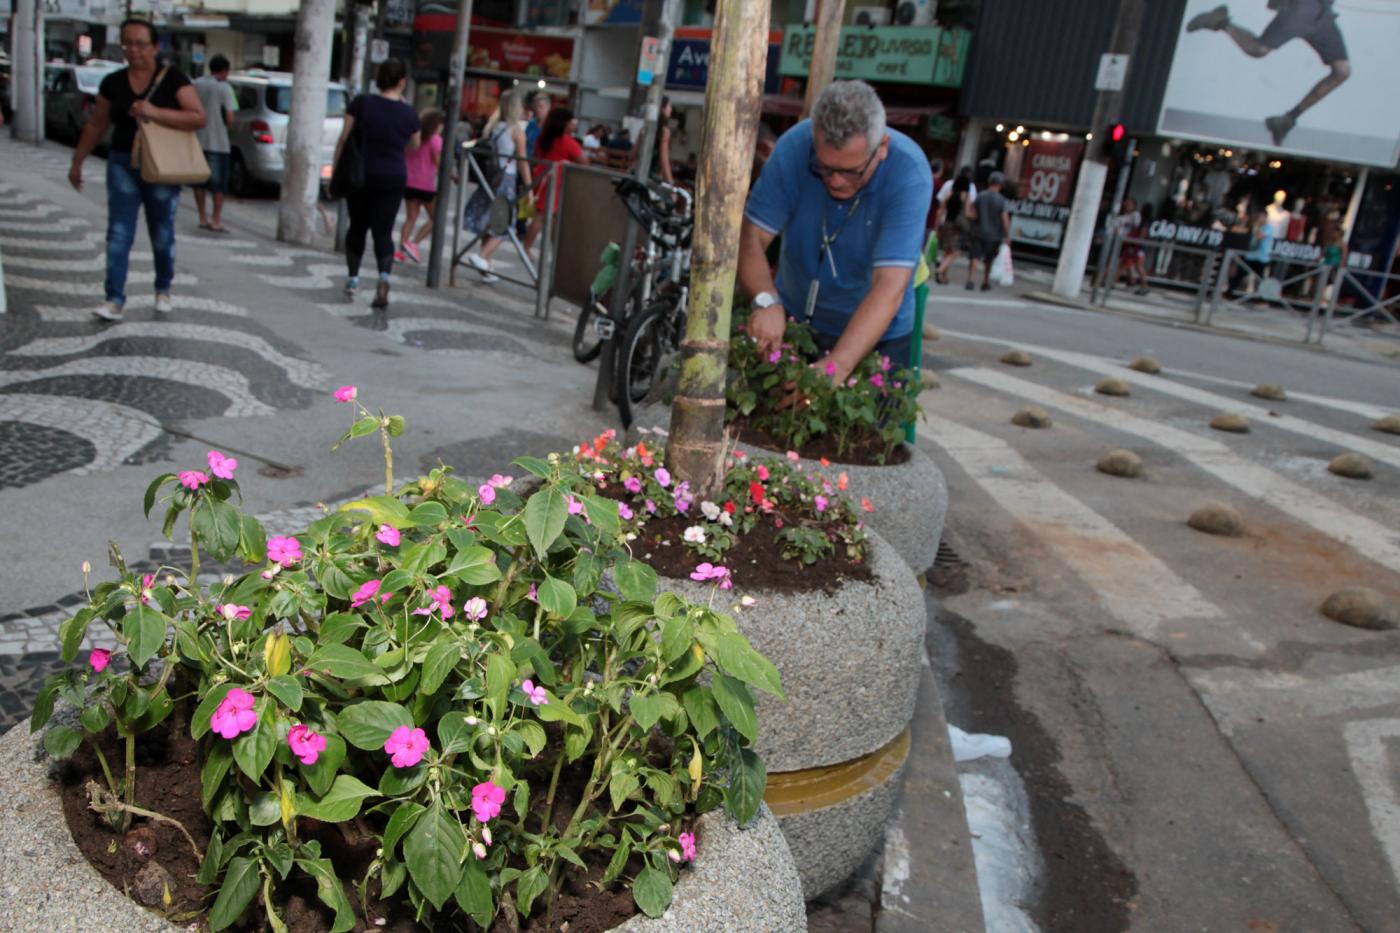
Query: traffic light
{"points": [[1114, 145]]}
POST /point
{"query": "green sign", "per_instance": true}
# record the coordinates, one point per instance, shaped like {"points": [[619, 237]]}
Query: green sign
{"points": [[896, 54]]}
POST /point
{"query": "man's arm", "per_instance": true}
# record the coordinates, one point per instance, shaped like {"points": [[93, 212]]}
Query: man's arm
{"points": [[871, 320], [766, 325]]}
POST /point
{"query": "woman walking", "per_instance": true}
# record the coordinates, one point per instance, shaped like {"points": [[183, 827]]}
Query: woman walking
{"points": [[386, 126], [556, 144], [421, 193], [505, 135], [140, 91], [955, 200]]}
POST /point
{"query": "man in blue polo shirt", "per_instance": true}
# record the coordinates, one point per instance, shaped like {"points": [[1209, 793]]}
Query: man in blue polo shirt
{"points": [[850, 198]]}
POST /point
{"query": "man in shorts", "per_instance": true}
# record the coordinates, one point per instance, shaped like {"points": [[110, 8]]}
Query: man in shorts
{"points": [[990, 229], [220, 106], [1313, 21]]}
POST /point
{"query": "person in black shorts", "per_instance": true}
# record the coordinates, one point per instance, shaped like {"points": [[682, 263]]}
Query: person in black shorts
{"points": [[1313, 21]]}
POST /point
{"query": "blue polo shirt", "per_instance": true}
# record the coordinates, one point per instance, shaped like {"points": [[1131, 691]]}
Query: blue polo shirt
{"points": [[882, 226]]}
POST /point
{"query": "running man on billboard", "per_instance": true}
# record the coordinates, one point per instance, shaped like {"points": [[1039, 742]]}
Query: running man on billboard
{"points": [[1313, 21]]}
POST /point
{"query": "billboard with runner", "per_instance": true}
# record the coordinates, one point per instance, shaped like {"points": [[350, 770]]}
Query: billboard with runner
{"points": [[1314, 78]]}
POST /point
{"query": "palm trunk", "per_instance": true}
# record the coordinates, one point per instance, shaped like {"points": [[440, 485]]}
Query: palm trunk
{"points": [[733, 98], [823, 67]]}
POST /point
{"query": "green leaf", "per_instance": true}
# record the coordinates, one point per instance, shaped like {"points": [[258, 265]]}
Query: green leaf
{"points": [[401, 822], [530, 886], [240, 884], [396, 425], [736, 656], [339, 628], [265, 809], [454, 734], [533, 735], [603, 513], [213, 860], [62, 741], [95, 718], [545, 514], [253, 750], [635, 580], [646, 710], [218, 758], [500, 674], [652, 891], [345, 663], [219, 526], [43, 705], [433, 851], [322, 773], [288, 690], [428, 514], [473, 894], [367, 724], [399, 782], [72, 632], [382, 510], [144, 631], [440, 660], [621, 786], [736, 703], [533, 465], [199, 722], [619, 860], [557, 597], [561, 712], [701, 708], [677, 635], [330, 892], [149, 501], [365, 426], [747, 780], [340, 803], [475, 566]]}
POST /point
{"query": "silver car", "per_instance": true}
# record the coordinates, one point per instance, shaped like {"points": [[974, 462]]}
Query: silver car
{"points": [[70, 93], [258, 139]]}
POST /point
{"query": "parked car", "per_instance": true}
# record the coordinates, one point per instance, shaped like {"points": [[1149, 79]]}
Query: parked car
{"points": [[258, 139], [70, 93], [5, 87]]}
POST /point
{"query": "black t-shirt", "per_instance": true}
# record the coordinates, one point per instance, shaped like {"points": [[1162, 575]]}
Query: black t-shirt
{"points": [[116, 87], [385, 127]]}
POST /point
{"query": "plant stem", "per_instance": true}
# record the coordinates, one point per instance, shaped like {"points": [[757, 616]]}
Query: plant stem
{"points": [[100, 801], [130, 786], [194, 558], [549, 797], [106, 768], [388, 459]]}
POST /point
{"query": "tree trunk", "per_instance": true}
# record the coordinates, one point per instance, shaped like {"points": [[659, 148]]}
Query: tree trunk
{"points": [[301, 182], [733, 99], [28, 119], [359, 50], [824, 44]]}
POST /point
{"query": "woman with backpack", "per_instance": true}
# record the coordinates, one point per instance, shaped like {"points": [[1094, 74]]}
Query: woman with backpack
{"points": [[505, 136], [955, 201]]}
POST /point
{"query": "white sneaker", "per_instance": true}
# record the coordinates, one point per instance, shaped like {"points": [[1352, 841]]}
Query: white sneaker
{"points": [[109, 311], [490, 278], [163, 303], [480, 263]]}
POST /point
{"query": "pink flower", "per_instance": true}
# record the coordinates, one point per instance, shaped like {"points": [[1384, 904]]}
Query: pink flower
{"points": [[346, 394], [762, 472], [284, 551], [575, 506], [232, 611], [687, 841], [885, 364], [830, 368], [792, 455], [99, 659], [663, 477], [651, 507], [406, 746], [441, 597], [533, 595], [366, 593], [632, 484], [306, 744], [475, 608], [388, 534], [865, 504], [776, 356], [878, 381], [535, 694], [147, 581], [193, 479], [486, 800], [682, 497], [235, 714], [623, 511], [708, 571], [479, 850], [222, 466], [487, 493], [820, 502], [500, 481]]}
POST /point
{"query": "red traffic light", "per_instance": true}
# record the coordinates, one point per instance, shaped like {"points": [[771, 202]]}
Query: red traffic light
{"points": [[1117, 132]]}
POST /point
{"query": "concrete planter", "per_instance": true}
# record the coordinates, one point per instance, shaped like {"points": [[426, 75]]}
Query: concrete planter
{"points": [[742, 880]]}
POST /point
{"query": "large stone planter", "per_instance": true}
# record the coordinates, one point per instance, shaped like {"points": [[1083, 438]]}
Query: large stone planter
{"points": [[743, 880], [850, 664]]}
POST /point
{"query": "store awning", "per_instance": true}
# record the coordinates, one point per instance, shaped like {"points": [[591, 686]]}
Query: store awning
{"points": [[895, 114]]}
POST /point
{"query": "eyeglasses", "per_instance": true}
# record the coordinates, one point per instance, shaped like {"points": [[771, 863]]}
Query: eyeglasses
{"points": [[849, 175], [136, 45]]}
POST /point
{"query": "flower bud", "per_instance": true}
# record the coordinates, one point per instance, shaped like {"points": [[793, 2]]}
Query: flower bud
{"points": [[472, 721], [486, 835], [228, 579], [490, 730], [87, 567], [478, 850], [673, 855]]}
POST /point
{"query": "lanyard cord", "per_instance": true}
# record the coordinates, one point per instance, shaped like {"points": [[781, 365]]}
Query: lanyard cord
{"points": [[829, 241]]}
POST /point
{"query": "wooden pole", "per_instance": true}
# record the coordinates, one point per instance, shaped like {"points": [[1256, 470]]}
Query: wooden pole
{"points": [[823, 69], [733, 100]]}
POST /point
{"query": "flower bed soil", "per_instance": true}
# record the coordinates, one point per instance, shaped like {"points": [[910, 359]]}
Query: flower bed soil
{"points": [[865, 451], [168, 783]]}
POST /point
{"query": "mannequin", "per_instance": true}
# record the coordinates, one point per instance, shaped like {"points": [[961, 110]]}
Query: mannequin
{"points": [[1277, 216], [1298, 225]]}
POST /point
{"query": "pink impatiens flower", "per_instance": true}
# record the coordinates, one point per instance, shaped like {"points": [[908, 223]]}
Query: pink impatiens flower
{"points": [[441, 597], [406, 747], [487, 493], [534, 693], [708, 571], [820, 502], [500, 481], [306, 744], [632, 484], [232, 611], [366, 593], [346, 394], [284, 551], [147, 581], [624, 512], [775, 356], [830, 368], [687, 841], [234, 715], [486, 801], [222, 466], [193, 479], [792, 455], [865, 504], [762, 472], [575, 506], [663, 477], [388, 534], [99, 659], [475, 608], [878, 381]]}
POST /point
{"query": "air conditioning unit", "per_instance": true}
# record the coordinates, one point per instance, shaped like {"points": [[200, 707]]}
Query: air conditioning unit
{"points": [[916, 12], [872, 16]]}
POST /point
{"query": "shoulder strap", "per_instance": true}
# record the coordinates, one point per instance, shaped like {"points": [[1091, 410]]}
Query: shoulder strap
{"points": [[156, 83]]}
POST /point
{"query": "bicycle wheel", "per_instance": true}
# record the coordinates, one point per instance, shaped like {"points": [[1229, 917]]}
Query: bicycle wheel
{"points": [[643, 355], [587, 343]]}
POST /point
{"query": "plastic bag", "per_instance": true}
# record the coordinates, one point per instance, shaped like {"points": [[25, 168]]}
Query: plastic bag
{"points": [[1002, 273]]}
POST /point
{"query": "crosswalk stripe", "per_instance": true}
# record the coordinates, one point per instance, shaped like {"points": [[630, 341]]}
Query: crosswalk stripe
{"points": [[1368, 537], [1322, 401], [1238, 698], [1371, 763], [1133, 585], [1341, 439]]}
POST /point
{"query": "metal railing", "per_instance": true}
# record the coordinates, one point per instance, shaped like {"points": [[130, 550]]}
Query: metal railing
{"points": [[1300, 291], [1186, 270], [1377, 306]]}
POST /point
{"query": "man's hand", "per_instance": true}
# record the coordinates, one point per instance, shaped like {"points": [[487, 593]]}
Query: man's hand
{"points": [[835, 366], [75, 176], [767, 326]]}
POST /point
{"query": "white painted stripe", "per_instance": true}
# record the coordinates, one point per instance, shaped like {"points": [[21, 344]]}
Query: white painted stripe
{"points": [[116, 431], [227, 382], [1260, 416], [319, 275], [1375, 768], [79, 289], [1322, 401], [63, 314], [1368, 537], [78, 242], [58, 225], [41, 209], [1133, 586], [97, 263], [1238, 697], [300, 372]]}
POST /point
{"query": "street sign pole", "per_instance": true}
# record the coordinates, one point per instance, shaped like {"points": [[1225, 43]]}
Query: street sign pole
{"points": [[452, 106]]}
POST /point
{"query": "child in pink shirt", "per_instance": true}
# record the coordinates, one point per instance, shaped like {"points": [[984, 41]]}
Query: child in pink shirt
{"points": [[422, 164]]}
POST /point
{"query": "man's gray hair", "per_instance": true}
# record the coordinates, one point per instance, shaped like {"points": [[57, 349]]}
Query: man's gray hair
{"points": [[847, 109]]}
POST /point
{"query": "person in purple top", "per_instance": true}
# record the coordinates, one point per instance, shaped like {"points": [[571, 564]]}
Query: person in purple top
{"points": [[386, 127]]}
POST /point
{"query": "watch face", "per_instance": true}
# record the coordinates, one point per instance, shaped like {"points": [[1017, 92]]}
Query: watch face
{"points": [[765, 300]]}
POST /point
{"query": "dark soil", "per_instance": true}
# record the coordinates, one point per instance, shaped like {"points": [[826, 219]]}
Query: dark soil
{"points": [[865, 451], [755, 561], [168, 783]]}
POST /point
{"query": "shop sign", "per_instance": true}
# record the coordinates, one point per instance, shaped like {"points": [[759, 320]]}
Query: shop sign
{"points": [[1297, 252], [520, 53], [1037, 232], [689, 62], [895, 54], [1049, 171], [1186, 234]]}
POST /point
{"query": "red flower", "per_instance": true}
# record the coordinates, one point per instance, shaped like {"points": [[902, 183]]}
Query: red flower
{"points": [[730, 507], [756, 491]]}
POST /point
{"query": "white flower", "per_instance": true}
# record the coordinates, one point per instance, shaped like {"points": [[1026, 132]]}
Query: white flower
{"points": [[695, 534], [726, 519], [712, 511], [748, 602]]}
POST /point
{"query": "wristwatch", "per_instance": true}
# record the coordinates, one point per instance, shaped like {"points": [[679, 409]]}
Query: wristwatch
{"points": [[765, 300]]}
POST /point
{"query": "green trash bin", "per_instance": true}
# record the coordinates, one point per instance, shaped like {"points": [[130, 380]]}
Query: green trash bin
{"points": [[916, 346]]}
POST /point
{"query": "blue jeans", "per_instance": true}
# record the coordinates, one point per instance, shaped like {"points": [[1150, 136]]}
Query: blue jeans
{"points": [[126, 195]]}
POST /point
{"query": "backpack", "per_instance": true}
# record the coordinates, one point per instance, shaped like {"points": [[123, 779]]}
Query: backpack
{"points": [[488, 163]]}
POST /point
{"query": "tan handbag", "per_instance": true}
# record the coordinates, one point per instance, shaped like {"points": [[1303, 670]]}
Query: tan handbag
{"points": [[166, 155]]}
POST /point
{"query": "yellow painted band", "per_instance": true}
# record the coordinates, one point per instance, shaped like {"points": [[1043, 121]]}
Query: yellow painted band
{"points": [[791, 792]]}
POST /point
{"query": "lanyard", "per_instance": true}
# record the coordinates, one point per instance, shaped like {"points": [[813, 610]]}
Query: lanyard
{"points": [[824, 253]]}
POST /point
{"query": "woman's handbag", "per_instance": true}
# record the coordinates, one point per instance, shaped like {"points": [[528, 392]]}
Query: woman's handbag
{"points": [[348, 175], [166, 155]]}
